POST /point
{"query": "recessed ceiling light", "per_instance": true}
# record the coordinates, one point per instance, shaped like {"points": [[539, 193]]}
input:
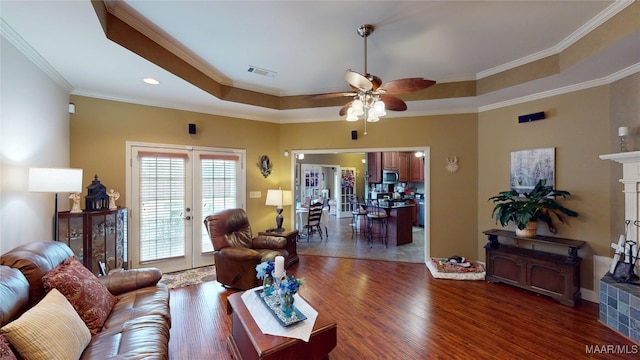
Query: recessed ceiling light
{"points": [[151, 81]]}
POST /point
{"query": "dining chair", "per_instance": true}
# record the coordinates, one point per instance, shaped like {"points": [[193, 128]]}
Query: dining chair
{"points": [[313, 220], [377, 218]]}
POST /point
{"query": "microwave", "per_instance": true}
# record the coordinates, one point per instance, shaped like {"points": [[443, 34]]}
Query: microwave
{"points": [[390, 176]]}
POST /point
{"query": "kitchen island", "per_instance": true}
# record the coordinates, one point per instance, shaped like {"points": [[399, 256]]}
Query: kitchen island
{"points": [[399, 223]]}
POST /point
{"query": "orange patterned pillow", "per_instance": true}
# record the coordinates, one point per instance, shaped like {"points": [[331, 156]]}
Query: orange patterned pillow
{"points": [[88, 296]]}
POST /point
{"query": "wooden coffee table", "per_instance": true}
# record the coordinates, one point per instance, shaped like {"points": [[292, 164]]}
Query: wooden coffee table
{"points": [[247, 342]]}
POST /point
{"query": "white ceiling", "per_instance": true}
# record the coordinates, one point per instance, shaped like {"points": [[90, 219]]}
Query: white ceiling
{"points": [[310, 44]]}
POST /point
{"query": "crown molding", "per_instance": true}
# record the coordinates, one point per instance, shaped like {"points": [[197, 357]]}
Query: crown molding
{"points": [[581, 32], [16, 40]]}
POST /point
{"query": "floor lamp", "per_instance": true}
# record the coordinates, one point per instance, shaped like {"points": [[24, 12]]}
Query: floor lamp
{"points": [[55, 180], [279, 198]]}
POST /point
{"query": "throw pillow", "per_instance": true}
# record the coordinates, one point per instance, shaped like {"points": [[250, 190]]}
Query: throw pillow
{"points": [[91, 299], [5, 350], [51, 329]]}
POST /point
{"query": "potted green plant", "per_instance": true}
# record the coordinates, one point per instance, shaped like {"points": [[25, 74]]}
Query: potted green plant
{"points": [[525, 210]]}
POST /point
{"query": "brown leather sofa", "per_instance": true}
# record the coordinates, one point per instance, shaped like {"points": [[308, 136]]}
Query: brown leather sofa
{"points": [[138, 325], [237, 252]]}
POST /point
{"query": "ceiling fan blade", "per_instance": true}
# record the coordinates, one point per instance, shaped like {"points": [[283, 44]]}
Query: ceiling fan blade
{"points": [[402, 86], [343, 110], [331, 95], [358, 80], [393, 103], [375, 81]]}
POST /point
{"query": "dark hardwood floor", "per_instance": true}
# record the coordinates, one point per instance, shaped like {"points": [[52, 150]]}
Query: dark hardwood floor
{"points": [[396, 310]]}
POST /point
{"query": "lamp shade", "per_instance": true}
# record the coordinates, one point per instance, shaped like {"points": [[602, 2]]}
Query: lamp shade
{"points": [[55, 180], [279, 198]]}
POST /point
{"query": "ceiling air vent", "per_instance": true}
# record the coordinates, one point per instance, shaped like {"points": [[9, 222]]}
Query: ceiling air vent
{"points": [[263, 72]]}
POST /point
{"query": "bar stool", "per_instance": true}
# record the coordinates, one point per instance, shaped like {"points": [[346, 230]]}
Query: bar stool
{"points": [[358, 213], [376, 215]]}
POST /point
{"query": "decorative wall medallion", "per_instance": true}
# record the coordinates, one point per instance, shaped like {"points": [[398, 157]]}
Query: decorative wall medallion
{"points": [[452, 164], [265, 166]]}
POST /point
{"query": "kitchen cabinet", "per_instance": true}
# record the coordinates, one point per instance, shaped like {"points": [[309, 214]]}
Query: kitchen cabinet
{"points": [[390, 160], [416, 168], [403, 166], [374, 167], [96, 237]]}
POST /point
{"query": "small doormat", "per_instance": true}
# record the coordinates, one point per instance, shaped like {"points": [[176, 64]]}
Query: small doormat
{"points": [[442, 269], [189, 277]]}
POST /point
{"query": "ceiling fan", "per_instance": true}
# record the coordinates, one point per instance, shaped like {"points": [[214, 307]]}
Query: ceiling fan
{"points": [[370, 95]]}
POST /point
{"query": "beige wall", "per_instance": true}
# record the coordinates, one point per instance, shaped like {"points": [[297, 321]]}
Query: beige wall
{"points": [[577, 126], [624, 111], [452, 198], [100, 129]]}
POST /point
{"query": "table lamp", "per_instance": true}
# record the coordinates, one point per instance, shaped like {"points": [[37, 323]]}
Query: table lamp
{"points": [[53, 180], [279, 198]]}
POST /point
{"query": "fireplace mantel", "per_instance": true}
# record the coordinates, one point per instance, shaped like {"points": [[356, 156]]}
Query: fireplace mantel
{"points": [[616, 298], [623, 157]]}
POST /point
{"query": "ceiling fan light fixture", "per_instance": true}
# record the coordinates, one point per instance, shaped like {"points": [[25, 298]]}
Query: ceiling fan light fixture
{"points": [[372, 116], [358, 107], [351, 116], [378, 106], [371, 97]]}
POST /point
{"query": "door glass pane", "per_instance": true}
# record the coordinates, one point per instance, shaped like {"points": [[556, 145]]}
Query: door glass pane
{"points": [[162, 204], [219, 190]]}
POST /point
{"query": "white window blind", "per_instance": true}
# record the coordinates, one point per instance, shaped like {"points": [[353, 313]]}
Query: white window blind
{"points": [[219, 187], [162, 205]]}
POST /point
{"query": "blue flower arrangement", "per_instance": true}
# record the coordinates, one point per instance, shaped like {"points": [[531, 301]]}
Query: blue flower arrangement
{"points": [[265, 269], [290, 285]]}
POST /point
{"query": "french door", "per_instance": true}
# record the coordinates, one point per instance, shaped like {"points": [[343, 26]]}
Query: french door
{"points": [[347, 189], [171, 189]]}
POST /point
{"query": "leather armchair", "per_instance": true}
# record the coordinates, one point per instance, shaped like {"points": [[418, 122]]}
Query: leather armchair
{"points": [[236, 251]]}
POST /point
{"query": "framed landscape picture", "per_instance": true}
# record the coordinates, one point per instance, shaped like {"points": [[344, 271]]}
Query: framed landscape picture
{"points": [[529, 166]]}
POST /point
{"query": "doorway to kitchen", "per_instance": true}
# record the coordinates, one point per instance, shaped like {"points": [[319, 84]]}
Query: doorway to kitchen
{"points": [[422, 233]]}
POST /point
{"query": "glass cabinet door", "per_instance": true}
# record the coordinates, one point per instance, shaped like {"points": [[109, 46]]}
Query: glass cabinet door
{"points": [[71, 232], [96, 237]]}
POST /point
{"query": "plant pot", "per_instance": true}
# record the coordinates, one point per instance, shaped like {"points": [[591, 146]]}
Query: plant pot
{"points": [[530, 231]]}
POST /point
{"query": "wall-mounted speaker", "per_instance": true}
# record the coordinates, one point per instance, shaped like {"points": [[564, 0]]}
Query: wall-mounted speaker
{"points": [[192, 129], [354, 134], [531, 117]]}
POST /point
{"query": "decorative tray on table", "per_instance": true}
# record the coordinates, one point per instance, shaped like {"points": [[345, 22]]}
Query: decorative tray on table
{"points": [[273, 304]]}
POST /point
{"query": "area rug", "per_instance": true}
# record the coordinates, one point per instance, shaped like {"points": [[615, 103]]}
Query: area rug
{"points": [[442, 269], [189, 277]]}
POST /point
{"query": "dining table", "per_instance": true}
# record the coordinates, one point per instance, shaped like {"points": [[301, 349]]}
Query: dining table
{"points": [[302, 216]]}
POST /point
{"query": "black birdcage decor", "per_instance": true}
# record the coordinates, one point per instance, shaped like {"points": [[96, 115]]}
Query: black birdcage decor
{"points": [[97, 198]]}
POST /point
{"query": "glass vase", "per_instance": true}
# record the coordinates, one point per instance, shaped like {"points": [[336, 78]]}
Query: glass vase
{"points": [[287, 304], [268, 286]]}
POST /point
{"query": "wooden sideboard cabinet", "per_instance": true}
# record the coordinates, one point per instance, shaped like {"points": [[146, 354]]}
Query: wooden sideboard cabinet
{"points": [[96, 236], [545, 273]]}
